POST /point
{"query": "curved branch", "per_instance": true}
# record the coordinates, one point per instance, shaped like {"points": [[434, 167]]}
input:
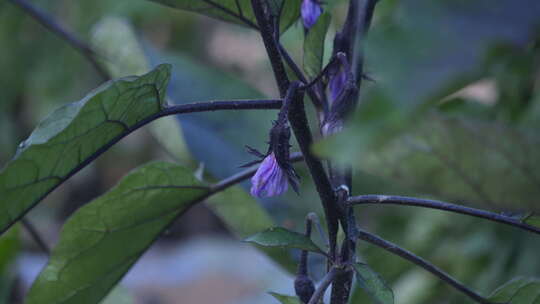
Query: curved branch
{"points": [[317, 102], [172, 110], [433, 204], [83, 48], [326, 281], [411, 257]]}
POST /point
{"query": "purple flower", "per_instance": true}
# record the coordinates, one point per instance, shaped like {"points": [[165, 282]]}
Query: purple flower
{"points": [[337, 83], [310, 10], [270, 179]]}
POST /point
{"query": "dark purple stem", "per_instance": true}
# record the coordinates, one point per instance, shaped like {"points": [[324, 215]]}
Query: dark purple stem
{"points": [[407, 255], [433, 204]]}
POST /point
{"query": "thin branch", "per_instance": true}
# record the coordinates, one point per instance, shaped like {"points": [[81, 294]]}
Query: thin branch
{"points": [[290, 62], [331, 64], [316, 99], [411, 257], [220, 105], [433, 204], [303, 285], [315, 219], [326, 281], [172, 110], [302, 266], [31, 229], [41, 17]]}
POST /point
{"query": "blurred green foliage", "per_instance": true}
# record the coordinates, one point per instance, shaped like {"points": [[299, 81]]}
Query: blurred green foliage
{"points": [[417, 131]]}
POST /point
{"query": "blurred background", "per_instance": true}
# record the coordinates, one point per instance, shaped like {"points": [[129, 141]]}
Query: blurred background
{"points": [[452, 114]]}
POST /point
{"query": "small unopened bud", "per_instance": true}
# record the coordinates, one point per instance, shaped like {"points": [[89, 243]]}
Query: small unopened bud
{"points": [[310, 10], [304, 288], [337, 83]]}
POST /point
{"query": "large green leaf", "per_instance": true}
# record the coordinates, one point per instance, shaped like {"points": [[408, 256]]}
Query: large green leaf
{"points": [[235, 11], [73, 135], [314, 45], [281, 237], [373, 284], [103, 239], [284, 299], [518, 291]]}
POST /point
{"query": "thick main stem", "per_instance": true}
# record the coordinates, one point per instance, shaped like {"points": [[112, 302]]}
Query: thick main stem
{"points": [[347, 49], [298, 120], [300, 126], [272, 49]]}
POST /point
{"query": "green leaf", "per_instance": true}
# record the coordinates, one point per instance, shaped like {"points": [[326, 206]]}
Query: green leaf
{"points": [[9, 247], [518, 291], [532, 219], [468, 158], [284, 299], [115, 39], [281, 237], [373, 284], [236, 11], [73, 135], [421, 51], [314, 45], [244, 216], [103, 239], [119, 295]]}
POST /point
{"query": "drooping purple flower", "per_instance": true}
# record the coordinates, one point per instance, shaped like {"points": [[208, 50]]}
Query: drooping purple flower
{"points": [[337, 83], [310, 10], [270, 179]]}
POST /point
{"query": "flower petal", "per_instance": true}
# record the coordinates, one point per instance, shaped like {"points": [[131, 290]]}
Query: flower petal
{"points": [[310, 10], [270, 179]]}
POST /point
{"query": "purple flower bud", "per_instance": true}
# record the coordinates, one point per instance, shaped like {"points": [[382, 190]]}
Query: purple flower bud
{"points": [[270, 179], [337, 83], [310, 10]]}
